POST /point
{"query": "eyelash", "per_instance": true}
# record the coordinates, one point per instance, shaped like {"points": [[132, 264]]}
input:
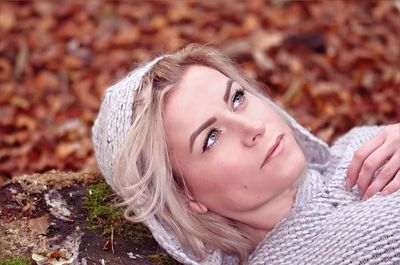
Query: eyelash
{"points": [[238, 92]]}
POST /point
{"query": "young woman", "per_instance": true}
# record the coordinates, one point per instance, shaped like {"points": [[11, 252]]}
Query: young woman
{"points": [[222, 175]]}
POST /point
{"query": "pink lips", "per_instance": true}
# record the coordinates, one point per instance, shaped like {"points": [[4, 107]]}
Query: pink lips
{"points": [[274, 150]]}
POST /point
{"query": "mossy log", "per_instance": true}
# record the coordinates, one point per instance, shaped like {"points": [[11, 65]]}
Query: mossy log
{"points": [[69, 218]]}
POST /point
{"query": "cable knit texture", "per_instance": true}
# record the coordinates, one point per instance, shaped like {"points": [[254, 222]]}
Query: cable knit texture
{"points": [[326, 225]]}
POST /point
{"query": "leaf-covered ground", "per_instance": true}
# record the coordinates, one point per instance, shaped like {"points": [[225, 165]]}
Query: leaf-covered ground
{"points": [[334, 64]]}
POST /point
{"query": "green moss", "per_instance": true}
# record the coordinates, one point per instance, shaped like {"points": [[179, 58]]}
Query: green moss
{"points": [[15, 261], [103, 215], [161, 259]]}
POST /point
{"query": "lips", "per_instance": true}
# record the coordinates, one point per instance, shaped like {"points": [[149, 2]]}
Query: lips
{"points": [[273, 150]]}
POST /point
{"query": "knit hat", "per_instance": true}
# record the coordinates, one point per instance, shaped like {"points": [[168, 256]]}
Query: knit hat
{"points": [[111, 127], [115, 118]]}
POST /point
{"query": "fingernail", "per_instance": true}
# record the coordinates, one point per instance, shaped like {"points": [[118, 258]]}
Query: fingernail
{"points": [[385, 192], [364, 198]]}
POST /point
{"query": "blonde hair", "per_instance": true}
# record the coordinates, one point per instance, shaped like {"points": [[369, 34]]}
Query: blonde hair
{"points": [[143, 169]]}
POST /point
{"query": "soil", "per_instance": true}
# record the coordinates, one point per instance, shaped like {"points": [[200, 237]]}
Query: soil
{"points": [[28, 225]]}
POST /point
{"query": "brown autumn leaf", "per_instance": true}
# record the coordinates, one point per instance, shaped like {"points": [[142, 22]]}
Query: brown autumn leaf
{"points": [[126, 36], [46, 80], [64, 150], [5, 69], [7, 18], [24, 121], [39, 225]]}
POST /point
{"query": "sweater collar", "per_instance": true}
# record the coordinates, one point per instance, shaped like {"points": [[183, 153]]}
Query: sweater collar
{"points": [[309, 187]]}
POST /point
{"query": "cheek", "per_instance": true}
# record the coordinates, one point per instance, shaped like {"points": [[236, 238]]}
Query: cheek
{"points": [[177, 151], [296, 161], [234, 168], [231, 164], [301, 161], [215, 177]]}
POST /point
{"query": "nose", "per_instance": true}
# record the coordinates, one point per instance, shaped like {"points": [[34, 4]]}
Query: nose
{"points": [[249, 130]]}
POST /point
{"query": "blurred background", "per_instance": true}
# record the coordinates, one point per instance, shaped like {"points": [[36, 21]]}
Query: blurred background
{"points": [[333, 64]]}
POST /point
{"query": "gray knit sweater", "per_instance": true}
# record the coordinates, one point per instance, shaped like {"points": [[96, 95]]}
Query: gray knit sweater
{"points": [[329, 225]]}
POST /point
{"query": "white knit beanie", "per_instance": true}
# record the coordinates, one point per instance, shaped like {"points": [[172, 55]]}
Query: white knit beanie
{"points": [[115, 118], [111, 127]]}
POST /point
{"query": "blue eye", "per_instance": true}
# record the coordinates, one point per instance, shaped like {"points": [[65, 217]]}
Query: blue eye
{"points": [[210, 139], [213, 134], [238, 98]]}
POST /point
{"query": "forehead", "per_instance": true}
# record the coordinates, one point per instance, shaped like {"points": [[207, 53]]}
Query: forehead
{"points": [[198, 82], [201, 77]]}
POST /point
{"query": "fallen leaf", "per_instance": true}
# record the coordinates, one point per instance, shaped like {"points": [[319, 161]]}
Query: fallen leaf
{"points": [[39, 225]]}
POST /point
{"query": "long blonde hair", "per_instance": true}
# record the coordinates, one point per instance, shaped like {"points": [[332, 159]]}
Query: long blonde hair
{"points": [[143, 169]]}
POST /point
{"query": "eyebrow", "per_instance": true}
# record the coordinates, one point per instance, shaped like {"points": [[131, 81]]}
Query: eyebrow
{"points": [[228, 90], [212, 119]]}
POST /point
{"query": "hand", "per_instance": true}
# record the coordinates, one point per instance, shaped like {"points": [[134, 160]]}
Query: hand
{"points": [[383, 149]]}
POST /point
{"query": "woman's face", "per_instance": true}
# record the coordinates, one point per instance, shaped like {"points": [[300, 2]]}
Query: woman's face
{"points": [[219, 136]]}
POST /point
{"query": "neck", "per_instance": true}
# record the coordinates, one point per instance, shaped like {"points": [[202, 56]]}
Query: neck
{"points": [[258, 225]]}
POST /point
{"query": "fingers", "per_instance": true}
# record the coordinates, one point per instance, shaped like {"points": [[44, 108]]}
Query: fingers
{"points": [[359, 157], [393, 186], [372, 164], [385, 180], [368, 161]]}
